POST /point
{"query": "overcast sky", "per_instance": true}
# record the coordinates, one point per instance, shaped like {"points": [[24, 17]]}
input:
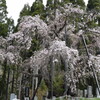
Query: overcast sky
{"points": [[15, 6]]}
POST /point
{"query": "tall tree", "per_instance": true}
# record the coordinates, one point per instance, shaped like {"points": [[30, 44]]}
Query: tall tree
{"points": [[3, 17], [3, 10], [51, 4], [3, 29], [78, 2], [5, 22], [93, 4], [66, 1], [25, 11], [10, 25], [37, 8]]}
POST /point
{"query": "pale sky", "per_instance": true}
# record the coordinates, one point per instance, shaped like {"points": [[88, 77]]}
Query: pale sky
{"points": [[15, 6]]}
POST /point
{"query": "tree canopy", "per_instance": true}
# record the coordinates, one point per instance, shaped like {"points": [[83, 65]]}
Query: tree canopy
{"points": [[78, 2], [6, 24], [37, 8], [25, 11], [3, 11], [93, 4]]}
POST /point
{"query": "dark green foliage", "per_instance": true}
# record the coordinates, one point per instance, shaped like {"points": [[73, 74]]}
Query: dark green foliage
{"points": [[42, 90], [25, 11], [58, 84], [35, 44], [93, 4], [6, 24], [3, 29], [66, 1], [91, 24], [7, 27], [43, 85], [51, 4], [81, 3], [37, 8], [99, 21], [2, 88], [90, 5], [51, 7], [78, 2], [34, 47], [3, 16], [10, 23], [3, 10], [56, 4]]}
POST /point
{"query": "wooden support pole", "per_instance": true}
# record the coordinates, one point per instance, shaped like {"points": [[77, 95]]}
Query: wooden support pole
{"points": [[92, 66]]}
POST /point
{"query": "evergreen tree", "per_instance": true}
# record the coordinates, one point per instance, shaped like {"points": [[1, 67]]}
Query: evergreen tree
{"points": [[3, 17], [5, 23], [37, 8], [50, 4], [66, 1], [3, 11], [10, 25], [3, 29], [78, 2], [56, 3], [93, 4], [25, 11]]}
